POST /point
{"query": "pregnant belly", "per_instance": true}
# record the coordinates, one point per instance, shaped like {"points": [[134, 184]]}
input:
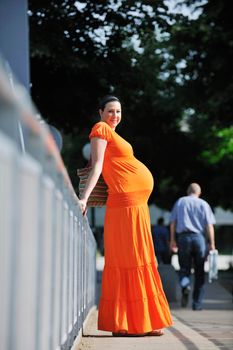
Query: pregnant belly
{"points": [[127, 175], [143, 179]]}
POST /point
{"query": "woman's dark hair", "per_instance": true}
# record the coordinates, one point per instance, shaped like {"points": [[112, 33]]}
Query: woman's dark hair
{"points": [[106, 99]]}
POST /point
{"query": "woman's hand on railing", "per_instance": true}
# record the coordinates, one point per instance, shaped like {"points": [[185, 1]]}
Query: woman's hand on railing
{"points": [[83, 205]]}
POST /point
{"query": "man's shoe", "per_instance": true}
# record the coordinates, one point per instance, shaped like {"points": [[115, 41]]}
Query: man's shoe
{"points": [[197, 307], [185, 296]]}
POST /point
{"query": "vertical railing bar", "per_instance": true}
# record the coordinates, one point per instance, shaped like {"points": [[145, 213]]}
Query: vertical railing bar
{"points": [[68, 271], [62, 289], [75, 290], [71, 271], [13, 273], [75, 308], [39, 280], [53, 257], [79, 270], [83, 269]]}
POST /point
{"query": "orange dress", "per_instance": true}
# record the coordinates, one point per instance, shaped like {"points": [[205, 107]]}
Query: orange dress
{"points": [[132, 297]]}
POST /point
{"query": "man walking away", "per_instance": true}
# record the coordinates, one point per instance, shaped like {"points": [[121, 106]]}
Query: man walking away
{"points": [[191, 219], [161, 239]]}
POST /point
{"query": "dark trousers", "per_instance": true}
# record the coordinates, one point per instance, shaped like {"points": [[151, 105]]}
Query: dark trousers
{"points": [[163, 256], [192, 249]]}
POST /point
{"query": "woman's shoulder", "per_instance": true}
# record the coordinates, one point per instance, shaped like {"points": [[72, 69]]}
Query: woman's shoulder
{"points": [[101, 129]]}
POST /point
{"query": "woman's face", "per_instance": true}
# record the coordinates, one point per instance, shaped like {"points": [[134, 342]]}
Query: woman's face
{"points": [[111, 114]]}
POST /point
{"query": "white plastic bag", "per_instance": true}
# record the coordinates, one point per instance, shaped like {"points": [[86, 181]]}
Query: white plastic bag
{"points": [[213, 265]]}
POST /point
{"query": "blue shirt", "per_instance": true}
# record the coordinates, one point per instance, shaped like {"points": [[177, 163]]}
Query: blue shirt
{"points": [[191, 213]]}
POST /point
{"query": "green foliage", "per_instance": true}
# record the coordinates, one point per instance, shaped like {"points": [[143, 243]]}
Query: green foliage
{"points": [[202, 54], [206, 47], [221, 146]]}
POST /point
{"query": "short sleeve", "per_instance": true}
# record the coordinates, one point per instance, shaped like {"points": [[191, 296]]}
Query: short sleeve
{"points": [[209, 215], [101, 130]]}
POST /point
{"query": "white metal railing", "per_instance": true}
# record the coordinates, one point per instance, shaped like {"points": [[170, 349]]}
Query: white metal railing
{"points": [[47, 250]]}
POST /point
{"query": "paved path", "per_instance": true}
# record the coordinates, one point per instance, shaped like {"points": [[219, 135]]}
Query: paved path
{"points": [[211, 328], [214, 322]]}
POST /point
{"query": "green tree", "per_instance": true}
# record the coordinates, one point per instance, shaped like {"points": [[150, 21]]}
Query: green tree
{"points": [[202, 52]]}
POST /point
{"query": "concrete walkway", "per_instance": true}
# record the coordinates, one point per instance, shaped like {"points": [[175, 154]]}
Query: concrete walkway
{"points": [[211, 328]]}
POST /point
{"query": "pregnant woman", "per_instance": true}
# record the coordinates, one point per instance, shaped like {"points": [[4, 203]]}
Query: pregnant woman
{"points": [[132, 299]]}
